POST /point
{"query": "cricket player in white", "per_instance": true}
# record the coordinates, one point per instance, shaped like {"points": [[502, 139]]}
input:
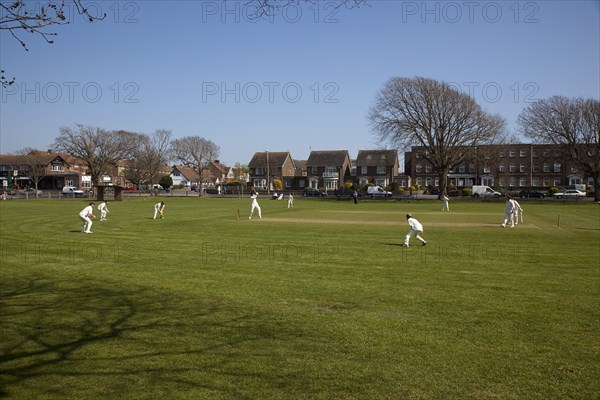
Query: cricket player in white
{"points": [[159, 208], [103, 208], [254, 205], [445, 200], [416, 229], [518, 212], [86, 215], [509, 211], [290, 201]]}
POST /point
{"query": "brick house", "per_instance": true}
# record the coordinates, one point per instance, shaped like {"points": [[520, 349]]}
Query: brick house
{"points": [[379, 167], [512, 166], [267, 166], [328, 169]]}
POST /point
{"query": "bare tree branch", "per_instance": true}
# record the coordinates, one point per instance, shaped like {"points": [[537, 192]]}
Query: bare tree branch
{"points": [[424, 112], [574, 124]]}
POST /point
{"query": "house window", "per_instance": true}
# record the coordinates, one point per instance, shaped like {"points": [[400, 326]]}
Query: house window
{"points": [[471, 168], [513, 153], [363, 170], [288, 184], [176, 174], [428, 181], [260, 171], [428, 168], [461, 168], [535, 181], [556, 181], [522, 153], [437, 182], [546, 181], [501, 168], [513, 167], [69, 182], [502, 154], [58, 168], [486, 169], [522, 168], [419, 181], [513, 181], [536, 168], [573, 168], [417, 155], [313, 170], [556, 167], [302, 183], [419, 168], [381, 170], [330, 184], [85, 184], [522, 181], [546, 168]]}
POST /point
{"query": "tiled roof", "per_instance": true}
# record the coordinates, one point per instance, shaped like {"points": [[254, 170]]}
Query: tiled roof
{"points": [[327, 157], [276, 158], [376, 157]]}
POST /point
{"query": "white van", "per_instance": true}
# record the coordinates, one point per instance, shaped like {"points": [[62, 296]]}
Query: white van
{"points": [[484, 191], [72, 190], [377, 191]]}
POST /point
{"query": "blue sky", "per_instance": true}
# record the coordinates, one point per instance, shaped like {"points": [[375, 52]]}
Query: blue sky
{"points": [[303, 80]]}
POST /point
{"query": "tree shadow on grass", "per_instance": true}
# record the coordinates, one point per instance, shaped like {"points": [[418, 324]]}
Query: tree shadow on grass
{"points": [[70, 340]]}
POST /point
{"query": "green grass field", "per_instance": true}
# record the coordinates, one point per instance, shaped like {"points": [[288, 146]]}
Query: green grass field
{"points": [[317, 302]]}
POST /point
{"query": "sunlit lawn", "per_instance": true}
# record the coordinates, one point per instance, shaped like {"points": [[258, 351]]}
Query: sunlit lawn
{"points": [[315, 302]]}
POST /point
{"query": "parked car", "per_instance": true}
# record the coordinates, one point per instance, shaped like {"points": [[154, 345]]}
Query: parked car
{"points": [[529, 193], [312, 193], [344, 193], [32, 191], [570, 194], [130, 188], [157, 186]]}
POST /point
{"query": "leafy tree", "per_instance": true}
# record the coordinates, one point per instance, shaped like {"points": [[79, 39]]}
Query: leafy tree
{"points": [[574, 124], [424, 112], [165, 181]]}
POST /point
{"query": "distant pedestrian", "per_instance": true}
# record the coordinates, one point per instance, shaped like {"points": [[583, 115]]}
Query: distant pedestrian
{"points": [[416, 229], [86, 216], [159, 209], [355, 197], [103, 208], [290, 201], [509, 211], [445, 200], [254, 205], [517, 213], [3, 195]]}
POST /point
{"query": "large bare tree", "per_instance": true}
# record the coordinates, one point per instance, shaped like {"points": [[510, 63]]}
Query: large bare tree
{"points": [[574, 124], [147, 158], [429, 113], [100, 149], [37, 164], [34, 17], [194, 152]]}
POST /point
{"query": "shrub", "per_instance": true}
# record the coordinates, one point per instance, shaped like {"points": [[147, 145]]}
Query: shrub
{"points": [[553, 190], [466, 192], [348, 185], [277, 184], [165, 181]]}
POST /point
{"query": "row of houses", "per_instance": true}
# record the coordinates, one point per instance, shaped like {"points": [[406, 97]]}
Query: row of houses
{"points": [[511, 166]]}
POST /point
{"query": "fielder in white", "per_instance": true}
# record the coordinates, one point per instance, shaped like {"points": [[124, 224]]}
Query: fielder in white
{"points": [[518, 212], [103, 208], [416, 229], [509, 211], [445, 200], [254, 205], [290, 201], [86, 216], [159, 208]]}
